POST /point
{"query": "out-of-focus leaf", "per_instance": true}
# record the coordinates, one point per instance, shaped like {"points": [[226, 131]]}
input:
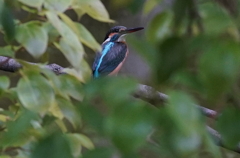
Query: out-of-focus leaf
{"points": [[17, 130], [31, 3], [69, 44], [216, 19], [187, 79], [4, 83], [98, 152], [5, 156], [160, 27], [135, 5], [119, 88], [86, 37], [181, 125], [53, 146], [57, 5], [219, 66], [145, 49], [128, 126], [229, 127], [150, 5], [94, 8], [4, 118], [35, 92], [6, 51], [172, 57], [6, 20], [77, 141], [33, 37]]}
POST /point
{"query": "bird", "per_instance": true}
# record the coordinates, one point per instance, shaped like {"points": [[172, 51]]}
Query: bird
{"points": [[114, 52]]}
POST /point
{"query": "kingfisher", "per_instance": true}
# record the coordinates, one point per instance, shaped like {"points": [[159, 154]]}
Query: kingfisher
{"points": [[114, 52]]}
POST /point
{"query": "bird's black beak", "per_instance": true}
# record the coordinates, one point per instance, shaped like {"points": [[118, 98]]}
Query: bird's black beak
{"points": [[130, 30]]}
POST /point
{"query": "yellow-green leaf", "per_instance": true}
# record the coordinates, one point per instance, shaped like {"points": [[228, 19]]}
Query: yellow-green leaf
{"points": [[78, 140], [69, 44], [3, 118], [73, 55], [95, 9], [31, 3], [79, 12], [86, 38], [6, 51], [56, 111], [57, 5], [83, 34]]}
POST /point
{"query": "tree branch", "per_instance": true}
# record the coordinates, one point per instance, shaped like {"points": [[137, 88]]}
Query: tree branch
{"points": [[11, 65], [156, 98]]}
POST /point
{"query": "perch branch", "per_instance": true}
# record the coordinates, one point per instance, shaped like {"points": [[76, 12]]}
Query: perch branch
{"points": [[11, 65], [218, 140]]}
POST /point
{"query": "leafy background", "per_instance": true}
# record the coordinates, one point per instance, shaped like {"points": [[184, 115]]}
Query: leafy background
{"points": [[189, 50]]}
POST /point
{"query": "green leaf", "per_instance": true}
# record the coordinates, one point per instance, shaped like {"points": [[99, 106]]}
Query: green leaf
{"points": [[216, 19], [57, 5], [16, 133], [6, 20], [94, 8], [35, 92], [7, 51], [77, 141], [228, 125], [33, 37], [159, 27], [31, 3], [53, 146]]}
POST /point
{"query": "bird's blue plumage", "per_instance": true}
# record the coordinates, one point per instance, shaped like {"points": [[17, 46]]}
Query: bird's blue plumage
{"points": [[113, 53], [104, 52]]}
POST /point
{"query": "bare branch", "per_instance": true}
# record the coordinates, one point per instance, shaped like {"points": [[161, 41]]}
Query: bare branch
{"points": [[11, 65], [156, 98]]}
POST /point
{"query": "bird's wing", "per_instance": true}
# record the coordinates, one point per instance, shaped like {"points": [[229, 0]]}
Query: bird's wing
{"points": [[111, 60]]}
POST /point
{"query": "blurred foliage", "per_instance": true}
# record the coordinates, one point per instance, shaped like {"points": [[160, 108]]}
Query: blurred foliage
{"points": [[192, 48]]}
